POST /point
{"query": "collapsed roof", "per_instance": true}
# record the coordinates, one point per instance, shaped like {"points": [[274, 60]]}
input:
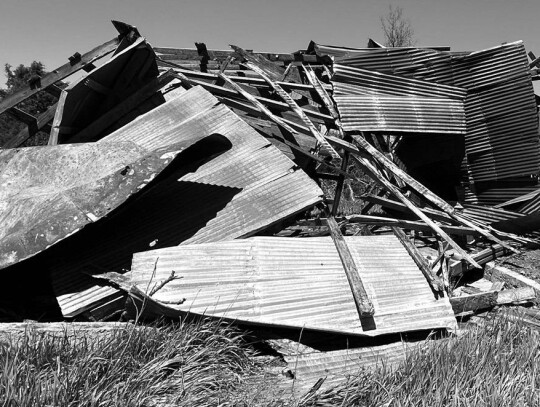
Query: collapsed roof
{"points": [[162, 163]]}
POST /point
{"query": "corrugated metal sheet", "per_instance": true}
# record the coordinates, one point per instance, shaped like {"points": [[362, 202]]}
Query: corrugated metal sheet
{"points": [[47, 194], [235, 184], [354, 81], [296, 283], [487, 214], [401, 114], [502, 140], [337, 366], [339, 52]]}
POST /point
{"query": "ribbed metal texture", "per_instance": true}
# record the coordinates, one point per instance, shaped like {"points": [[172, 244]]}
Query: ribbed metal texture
{"points": [[487, 214], [401, 114], [296, 283], [354, 81], [247, 186], [337, 366], [502, 140]]}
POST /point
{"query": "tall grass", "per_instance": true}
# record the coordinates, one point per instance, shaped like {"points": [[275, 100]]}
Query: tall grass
{"points": [[207, 364], [496, 365], [195, 364]]}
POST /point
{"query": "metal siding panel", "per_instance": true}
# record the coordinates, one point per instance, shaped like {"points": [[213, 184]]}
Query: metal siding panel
{"points": [[265, 187], [296, 283]]}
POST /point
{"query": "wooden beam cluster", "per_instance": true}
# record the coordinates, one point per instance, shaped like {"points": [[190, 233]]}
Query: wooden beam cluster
{"points": [[48, 83]]}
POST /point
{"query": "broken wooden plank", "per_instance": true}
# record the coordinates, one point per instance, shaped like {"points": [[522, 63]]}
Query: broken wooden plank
{"points": [[274, 104], [73, 332], [247, 80], [363, 303], [420, 260], [398, 206], [296, 109], [59, 73], [500, 273], [95, 128], [321, 91], [489, 299], [42, 121], [409, 224], [279, 121], [374, 173], [270, 69], [426, 193], [457, 267]]}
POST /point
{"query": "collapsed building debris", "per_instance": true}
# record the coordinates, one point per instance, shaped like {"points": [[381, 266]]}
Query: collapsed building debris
{"points": [[295, 283], [182, 182]]}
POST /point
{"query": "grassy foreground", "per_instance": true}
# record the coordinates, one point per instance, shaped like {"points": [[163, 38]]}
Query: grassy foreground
{"points": [[204, 364], [495, 365], [194, 364]]}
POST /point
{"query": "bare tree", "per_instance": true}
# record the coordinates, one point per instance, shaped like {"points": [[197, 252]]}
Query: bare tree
{"points": [[397, 30]]}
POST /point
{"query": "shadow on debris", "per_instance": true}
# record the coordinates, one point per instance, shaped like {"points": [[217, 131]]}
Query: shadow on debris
{"points": [[165, 214]]}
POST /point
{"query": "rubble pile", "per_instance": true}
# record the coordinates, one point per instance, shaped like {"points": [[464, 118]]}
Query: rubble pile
{"points": [[187, 182]]}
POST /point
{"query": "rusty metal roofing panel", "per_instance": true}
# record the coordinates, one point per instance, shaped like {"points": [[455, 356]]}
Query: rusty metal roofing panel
{"points": [[296, 283], [49, 193], [242, 185], [401, 114]]}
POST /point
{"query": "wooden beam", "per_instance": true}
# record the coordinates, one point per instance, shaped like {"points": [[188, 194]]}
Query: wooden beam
{"points": [[339, 186], [398, 206], [321, 91], [26, 118], [58, 74], [410, 224], [489, 299], [73, 332], [257, 82], [190, 54], [279, 121], [274, 104], [363, 303], [499, 273], [296, 109], [399, 173], [90, 132], [426, 193], [364, 163], [420, 261], [42, 122]]}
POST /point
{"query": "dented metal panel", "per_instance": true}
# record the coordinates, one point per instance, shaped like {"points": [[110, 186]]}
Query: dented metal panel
{"points": [[49, 193], [231, 183], [296, 283]]}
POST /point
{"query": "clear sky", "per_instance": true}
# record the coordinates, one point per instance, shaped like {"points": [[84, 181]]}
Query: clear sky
{"points": [[52, 30]]}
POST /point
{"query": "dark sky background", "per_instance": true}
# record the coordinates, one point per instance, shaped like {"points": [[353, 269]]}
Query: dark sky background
{"points": [[52, 30]]}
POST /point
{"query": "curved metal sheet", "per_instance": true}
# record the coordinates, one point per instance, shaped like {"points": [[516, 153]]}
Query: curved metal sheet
{"points": [[49, 193]]}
